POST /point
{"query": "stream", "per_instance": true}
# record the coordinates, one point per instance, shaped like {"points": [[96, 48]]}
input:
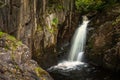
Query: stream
{"points": [[75, 68], [82, 72]]}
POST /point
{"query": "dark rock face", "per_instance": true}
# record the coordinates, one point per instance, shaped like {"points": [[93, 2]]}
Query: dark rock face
{"points": [[35, 23], [103, 46], [18, 18], [16, 62], [49, 16]]}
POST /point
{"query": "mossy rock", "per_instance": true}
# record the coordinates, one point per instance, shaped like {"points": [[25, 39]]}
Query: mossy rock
{"points": [[39, 71], [16, 61], [116, 21], [8, 41], [103, 41], [1, 34]]}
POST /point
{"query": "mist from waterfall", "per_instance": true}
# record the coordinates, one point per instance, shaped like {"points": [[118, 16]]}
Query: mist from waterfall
{"points": [[78, 41]]}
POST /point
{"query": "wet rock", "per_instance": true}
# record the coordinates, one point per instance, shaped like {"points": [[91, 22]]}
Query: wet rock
{"points": [[103, 41], [83, 72], [16, 62]]}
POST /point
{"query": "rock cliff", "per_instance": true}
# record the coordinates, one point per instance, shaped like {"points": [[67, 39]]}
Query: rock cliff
{"points": [[46, 27], [103, 46], [16, 62], [37, 24]]}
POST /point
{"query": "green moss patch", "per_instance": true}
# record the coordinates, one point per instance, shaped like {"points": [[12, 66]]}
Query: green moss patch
{"points": [[39, 28], [1, 34], [117, 20], [55, 21], [40, 72], [9, 41]]}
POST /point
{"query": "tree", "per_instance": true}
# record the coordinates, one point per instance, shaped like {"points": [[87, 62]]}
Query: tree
{"points": [[87, 5]]}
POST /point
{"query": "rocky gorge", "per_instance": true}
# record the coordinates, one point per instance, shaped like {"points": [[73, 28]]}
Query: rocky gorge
{"points": [[36, 33], [16, 62], [103, 41]]}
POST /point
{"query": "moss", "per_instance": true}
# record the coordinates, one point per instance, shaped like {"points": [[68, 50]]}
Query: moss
{"points": [[19, 43], [1, 34], [40, 73], [39, 28], [55, 21], [50, 30], [11, 38], [11, 42], [117, 20], [54, 24], [12, 56]]}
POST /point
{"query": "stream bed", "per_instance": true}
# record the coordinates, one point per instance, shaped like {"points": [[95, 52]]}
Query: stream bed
{"points": [[81, 72]]}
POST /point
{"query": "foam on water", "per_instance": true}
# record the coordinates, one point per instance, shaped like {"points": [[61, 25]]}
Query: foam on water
{"points": [[67, 65], [76, 50]]}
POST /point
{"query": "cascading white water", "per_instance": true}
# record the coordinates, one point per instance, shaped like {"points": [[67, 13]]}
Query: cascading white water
{"points": [[77, 49], [78, 41], [80, 56]]}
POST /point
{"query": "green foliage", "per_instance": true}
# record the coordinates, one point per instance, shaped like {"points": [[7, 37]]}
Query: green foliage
{"points": [[55, 21], [55, 5], [87, 5], [54, 24]]}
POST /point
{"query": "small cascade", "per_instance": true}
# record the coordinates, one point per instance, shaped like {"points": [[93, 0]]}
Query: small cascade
{"points": [[78, 41], [80, 56], [76, 51]]}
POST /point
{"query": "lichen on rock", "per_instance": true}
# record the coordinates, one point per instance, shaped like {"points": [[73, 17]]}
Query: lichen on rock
{"points": [[16, 62]]}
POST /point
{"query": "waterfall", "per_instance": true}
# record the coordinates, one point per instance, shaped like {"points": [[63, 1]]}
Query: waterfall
{"points": [[76, 50], [78, 41]]}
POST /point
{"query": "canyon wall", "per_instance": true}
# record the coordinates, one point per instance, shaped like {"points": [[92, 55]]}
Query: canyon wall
{"points": [[103, 43], [37, 23]]}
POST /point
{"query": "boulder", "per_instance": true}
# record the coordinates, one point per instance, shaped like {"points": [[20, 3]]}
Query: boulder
{"points": [[16, 62], [103, 44]]}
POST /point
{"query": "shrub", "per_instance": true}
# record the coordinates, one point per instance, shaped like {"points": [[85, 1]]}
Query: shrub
{"points": [[55, 5], [87, 5]]}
